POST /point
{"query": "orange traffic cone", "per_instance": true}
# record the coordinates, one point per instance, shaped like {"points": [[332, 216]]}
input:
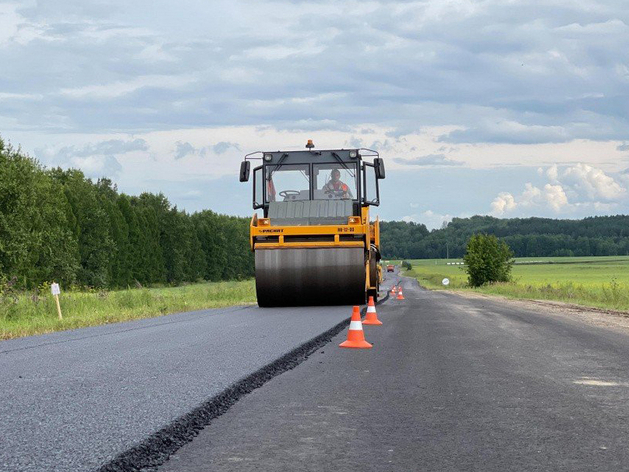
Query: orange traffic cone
{"points": [[400, 296], [355, 335], [372, 316], [393, 290]]}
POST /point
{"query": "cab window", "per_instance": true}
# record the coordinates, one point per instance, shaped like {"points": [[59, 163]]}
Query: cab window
{"points": [[335, 181], [287, 183]]}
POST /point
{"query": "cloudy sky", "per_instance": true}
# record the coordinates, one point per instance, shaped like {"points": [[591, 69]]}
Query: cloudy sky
{"points": [[502, 107]]}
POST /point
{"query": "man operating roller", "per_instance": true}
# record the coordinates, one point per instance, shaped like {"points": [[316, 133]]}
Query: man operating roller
{"points": [[337, 187]]}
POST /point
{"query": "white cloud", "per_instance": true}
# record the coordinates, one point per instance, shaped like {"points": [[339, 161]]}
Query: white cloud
{"points": [[553, 173], [429, 160], [20, 96], [503, 203], [183, 149], [97, 166], [555, 197], [156, 53], [593, 182], [532, 198], [192, 195], [276, 52], [118, 89], [430, 62], [224, 146], [429, 218], [9, 22], [96, 160], [15, 29], [507, 131], [589, 187]]}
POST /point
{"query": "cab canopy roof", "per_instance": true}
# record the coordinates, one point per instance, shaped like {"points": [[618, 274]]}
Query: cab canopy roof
{"points": [[312, 156]]}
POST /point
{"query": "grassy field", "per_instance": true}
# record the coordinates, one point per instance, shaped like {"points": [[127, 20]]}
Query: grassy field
{"points": [[593, 281], [25, 314]]}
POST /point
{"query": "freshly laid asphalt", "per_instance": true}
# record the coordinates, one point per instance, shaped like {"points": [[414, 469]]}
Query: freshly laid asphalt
{"points": [[451, 384], [75, 400]]}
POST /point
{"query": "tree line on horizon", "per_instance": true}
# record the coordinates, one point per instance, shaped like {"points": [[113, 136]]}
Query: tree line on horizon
{"points": [[58, 225], [527, 237]]}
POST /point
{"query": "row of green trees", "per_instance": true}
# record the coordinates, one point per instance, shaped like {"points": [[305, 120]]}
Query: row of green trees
{"points": [[527, 237], [59, 225]]}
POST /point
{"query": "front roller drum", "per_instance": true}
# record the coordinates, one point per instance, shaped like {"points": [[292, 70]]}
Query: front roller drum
{"points": [[310, 276]]}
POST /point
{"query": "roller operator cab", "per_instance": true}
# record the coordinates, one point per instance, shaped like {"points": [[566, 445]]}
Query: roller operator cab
{"points": [[314, 244]]}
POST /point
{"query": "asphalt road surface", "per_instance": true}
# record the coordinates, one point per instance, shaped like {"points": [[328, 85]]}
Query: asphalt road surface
{"points": [[74, 400], [450, 384]]}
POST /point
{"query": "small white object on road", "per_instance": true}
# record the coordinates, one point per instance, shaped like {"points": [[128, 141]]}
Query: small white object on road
{"points": [[446, 281]]}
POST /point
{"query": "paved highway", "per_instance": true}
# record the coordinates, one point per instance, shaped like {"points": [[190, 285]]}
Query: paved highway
{"points": [[451, 384], [75, 400]]}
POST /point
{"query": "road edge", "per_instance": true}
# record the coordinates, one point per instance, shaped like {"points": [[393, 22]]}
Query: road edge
{"points": [[605, 318], [537, 301]]}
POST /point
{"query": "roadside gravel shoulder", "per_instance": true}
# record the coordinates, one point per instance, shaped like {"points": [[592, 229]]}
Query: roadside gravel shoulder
{"points": [[612, 319]]}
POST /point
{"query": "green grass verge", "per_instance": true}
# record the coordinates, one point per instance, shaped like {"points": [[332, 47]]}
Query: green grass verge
{"points": [[26, 314], [601, 282]]}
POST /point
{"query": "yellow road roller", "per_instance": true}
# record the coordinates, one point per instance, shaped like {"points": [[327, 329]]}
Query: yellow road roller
{"points": [[313, 242]]}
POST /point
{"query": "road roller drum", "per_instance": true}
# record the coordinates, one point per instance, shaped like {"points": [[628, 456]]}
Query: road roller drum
{"points": [[310, 276]]}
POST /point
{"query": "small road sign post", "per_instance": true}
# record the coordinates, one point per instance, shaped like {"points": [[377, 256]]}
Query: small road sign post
{"points": [[445, 282], [56, 291]]}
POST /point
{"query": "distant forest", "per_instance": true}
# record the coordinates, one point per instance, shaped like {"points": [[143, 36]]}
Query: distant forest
{"points": [[59, 225], [527, 237]]}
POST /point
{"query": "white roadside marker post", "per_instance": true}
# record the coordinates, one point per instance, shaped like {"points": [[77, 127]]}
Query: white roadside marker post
{"points": [[56, 291]]}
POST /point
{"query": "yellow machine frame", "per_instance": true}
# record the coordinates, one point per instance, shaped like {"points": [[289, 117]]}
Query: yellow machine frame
{"points": [[356, 226]]}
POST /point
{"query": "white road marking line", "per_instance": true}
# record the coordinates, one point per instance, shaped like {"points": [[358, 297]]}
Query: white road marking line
{"points": [[599, 383]]}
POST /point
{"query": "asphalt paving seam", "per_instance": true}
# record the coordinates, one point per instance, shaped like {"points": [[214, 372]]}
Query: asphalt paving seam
{"points": [[448, 389], [157, 448]]}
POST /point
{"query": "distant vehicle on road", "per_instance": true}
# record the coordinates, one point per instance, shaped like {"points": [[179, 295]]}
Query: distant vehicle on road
{"points": [[390, 268]]}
